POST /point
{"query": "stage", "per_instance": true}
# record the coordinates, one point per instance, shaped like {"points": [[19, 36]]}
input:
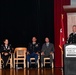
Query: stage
{"points": [[33, 71]]}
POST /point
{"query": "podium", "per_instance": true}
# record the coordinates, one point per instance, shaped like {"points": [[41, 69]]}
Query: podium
{"points": [[70, 59]]}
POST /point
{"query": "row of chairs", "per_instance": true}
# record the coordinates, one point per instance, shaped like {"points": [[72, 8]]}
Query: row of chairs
{"points": [[20, 55]]}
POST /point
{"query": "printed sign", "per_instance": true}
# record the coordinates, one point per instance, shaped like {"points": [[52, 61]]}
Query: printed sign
{"points": [[70, 51]]}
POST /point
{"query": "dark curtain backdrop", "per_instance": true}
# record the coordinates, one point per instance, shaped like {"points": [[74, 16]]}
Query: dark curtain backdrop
{"points": [[22, 19], [58, 10]]}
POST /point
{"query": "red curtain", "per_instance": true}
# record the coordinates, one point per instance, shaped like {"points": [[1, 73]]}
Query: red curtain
{"points": [[58, 10]]}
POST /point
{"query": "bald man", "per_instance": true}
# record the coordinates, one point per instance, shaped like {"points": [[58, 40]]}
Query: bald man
{"points": [[47, 50], [72, 36]]}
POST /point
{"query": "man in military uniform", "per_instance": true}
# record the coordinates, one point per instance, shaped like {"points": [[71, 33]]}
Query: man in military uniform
{"points": [[5, 52], [33, 50], [72, 36]]}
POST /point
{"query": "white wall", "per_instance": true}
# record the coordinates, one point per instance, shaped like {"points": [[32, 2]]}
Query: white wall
{"points": [[73, 2], [71, 20]]}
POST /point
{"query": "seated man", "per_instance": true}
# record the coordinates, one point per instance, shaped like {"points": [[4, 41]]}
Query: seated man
{"points": [[46, 51], [33, 50], [5, 52]]}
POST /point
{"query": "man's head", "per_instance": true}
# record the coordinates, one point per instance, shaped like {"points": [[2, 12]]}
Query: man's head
{"points": [[47, 40], [6, 41], [74, 28], [34, 39]]}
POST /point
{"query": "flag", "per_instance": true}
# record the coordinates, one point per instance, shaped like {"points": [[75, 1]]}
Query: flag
{"points": [[62, 37]]}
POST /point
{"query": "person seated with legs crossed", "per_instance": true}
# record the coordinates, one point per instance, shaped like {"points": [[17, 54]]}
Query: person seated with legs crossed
{"points": [[5, 52]]}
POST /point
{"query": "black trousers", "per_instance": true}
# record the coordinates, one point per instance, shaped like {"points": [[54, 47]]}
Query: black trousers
{"points": [[5, 59]]}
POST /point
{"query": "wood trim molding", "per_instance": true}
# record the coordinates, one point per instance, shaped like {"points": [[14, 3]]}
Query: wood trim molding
{"points": [[69, 8]]}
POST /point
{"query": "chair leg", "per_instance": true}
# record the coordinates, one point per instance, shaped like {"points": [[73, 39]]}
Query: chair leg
{"points": [[10, 63], [52, 65], [24, 63], [27, 64], [44, 62], [38, 63], [0, 64], [14, 63]]}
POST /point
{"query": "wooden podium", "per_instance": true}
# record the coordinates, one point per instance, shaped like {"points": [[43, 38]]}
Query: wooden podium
{"points": [[70, 49], [70, 59]]}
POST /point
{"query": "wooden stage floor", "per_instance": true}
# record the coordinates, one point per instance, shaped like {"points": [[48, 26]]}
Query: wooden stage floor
{"points": [[45, 71]]}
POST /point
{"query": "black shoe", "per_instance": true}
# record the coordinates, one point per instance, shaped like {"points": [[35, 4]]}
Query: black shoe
{"points": [[30, 66], [3, 66], [41, 65], [36, 66]]}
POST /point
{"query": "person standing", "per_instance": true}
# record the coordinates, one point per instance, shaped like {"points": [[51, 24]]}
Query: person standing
{"points": [[72, 36]]}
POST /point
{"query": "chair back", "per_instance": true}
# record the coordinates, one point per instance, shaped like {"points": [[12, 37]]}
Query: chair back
{"points": [[20, 52]]}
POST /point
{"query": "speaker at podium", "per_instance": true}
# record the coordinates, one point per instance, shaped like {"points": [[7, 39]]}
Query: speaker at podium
{"points": [[70, 59]]}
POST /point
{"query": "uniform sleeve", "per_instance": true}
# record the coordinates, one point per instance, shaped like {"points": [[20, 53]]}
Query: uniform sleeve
{"points": [[52, 48], [70, 38], [38, 47], [28, 49], [1, 49], [11, 49], [43, 48]]}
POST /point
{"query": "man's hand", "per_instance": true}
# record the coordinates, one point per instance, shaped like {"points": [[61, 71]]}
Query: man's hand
{"points": [[2, 52], [28, 53], [51, 53], [37, 53], [5, 54], [42, 53]]}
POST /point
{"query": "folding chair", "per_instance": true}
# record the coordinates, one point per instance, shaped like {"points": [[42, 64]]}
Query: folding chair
{"points": [[0, 61], [32, 62], [48, 62], [8, 62], [20, 55]]}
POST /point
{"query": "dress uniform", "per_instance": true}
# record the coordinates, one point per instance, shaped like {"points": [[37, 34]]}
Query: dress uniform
{"points": [[5, 54], [33, 48], [72, 38]]}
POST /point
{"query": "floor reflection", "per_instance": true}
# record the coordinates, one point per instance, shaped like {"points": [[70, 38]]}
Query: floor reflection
{"points": [[45, 71]]}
